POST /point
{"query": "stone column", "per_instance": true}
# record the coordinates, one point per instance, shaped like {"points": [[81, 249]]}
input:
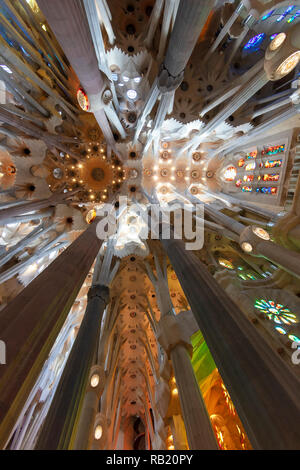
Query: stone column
{"points": [[257, 245], [260, 246], [85, 429], [30, 324], [32, 236], [36, 205], [197, 423], [97, 380], [261, 129], [190, 19], [22, 125], [68, 21], [264, 392], [224, 31], [251, 207], [39, 215], [243, 95], [60, 422]]}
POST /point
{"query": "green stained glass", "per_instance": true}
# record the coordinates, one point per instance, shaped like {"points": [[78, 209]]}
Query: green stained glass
{"points": [[280, 330], [202, 360], [251, 276], [294, 338]]}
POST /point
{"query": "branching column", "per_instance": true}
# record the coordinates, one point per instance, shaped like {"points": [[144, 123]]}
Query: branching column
{"points": [[75, 399], [69, 23], [59, 425], [178, 348], [264, 391], [32, 206], [196, 420], [190, 19]]}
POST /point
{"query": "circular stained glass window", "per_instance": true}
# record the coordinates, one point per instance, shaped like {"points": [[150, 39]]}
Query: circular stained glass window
{"points": [[279, 313]]}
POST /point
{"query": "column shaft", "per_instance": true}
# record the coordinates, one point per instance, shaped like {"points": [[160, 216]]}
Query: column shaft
{"points": [[24, 208], [60, 423], [30, 324], [190, 19], [287, 259], [68, 21], [196, 420], [85, 434]]}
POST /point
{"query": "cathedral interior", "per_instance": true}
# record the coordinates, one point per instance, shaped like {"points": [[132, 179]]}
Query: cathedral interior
{"points": [[109, 108]]}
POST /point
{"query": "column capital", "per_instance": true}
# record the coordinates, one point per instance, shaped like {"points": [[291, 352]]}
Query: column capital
{"points": [[167, 82], [170, 334], [99, 290]]}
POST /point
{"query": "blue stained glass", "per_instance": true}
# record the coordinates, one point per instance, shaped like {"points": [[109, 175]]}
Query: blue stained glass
{"points": [[285, 13], [294, 338], [294, 16], [273, 36], [267, 15], [267, 190], [253, 42]]}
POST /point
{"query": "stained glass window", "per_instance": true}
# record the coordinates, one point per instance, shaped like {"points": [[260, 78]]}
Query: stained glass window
{"points": [[280, 330], [271, 177], [294, 16], [267, 15], [251, 155], [242, 276], [273, 163], [279, 313], [285, 13], [294, 338], [226, 263], [273, 150], [251, 276], [248, 178], [250, 166], [255, 41], [230, 173], [267, 190]]}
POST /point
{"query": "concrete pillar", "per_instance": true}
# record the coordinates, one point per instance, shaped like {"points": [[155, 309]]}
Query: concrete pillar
{"points": [[36, 205], [60, 423], [190, 19], [68, 21], [30, 129], [257, 245], [260, 245], [197, 423]]}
